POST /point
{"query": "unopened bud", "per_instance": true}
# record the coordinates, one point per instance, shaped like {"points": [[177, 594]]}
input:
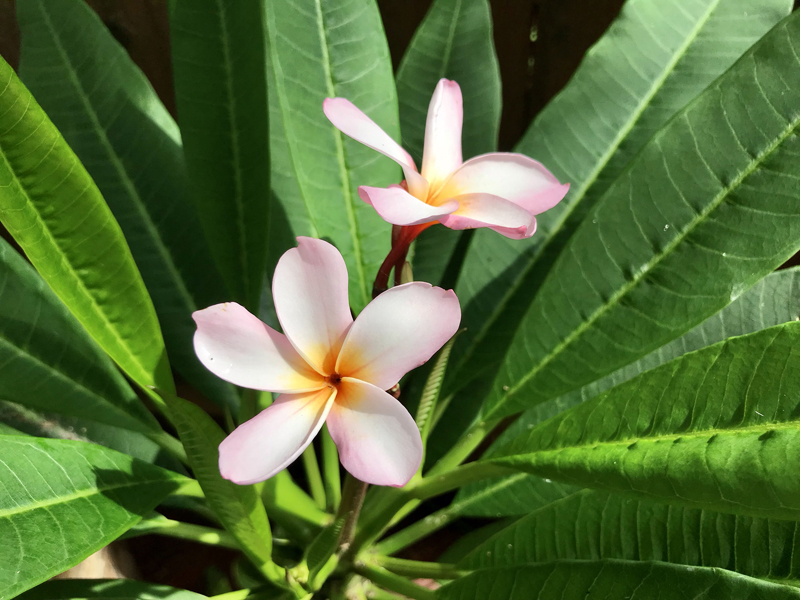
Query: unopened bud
{"points": [[406, 275]]}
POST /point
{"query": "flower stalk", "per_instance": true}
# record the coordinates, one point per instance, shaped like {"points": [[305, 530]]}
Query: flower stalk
{"points": [[401, 242]]}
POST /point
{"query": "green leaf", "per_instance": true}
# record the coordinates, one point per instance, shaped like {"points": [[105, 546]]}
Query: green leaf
{"points": [[453, 41], [103, 589], [772, 301], [218, 58], [48, 362], [340, 50], [612, 580], [715, 429], [590, 525], [238, 507], [63, 500], [469, 541], [513, 495], [55, 212], [24, 420], [716, 210], [109, 114], [655, 58]]}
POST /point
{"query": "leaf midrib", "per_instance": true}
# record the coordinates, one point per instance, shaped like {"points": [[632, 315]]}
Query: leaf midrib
{"points": [[665, 437], [69, 269], [44, 504], [230, 106], [26, 355], [581, 191], [651, 264], [119, 167], [289, 138], [344, 173]]}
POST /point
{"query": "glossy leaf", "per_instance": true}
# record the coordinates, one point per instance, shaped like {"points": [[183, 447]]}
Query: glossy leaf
{"points": [[47, 361], [111, 117], [715, 429], [106, 589], [63, 500], [612, 580], [656, 57], [319, 49], [772, 301], [513, 495], [238, 507], [220, 89], [592, 525], [25, 420], [716, 209], [55, 212]]}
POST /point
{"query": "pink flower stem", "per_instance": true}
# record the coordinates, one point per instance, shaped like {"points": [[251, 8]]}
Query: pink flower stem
{"points": [[401, 240]]}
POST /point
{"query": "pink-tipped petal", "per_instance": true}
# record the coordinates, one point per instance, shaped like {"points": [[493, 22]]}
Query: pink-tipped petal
{"points": [[398, 331], [515, 177], [398, 207], [309, 288], [485, 210], [442, 152], [378, 441], [273, 439], [237, 347], [352, 122]]}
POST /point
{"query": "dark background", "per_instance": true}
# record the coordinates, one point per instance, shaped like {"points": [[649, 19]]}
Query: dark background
{"points": [[539, 44]]}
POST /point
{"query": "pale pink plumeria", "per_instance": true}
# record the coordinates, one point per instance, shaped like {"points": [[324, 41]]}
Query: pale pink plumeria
{"points": [[501, 191], [326, 366]]}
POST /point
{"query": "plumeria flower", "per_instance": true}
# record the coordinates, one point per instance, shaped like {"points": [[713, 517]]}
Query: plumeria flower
{"points": [[326, 367], [501, 191]]}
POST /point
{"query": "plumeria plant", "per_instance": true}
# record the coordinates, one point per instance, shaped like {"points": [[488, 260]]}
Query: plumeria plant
{"points": [[263, 328]]}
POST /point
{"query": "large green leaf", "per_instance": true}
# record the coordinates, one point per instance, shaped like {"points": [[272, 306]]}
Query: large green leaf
{"points": [[319, 49], [25, 420], [657, 56], [453, 41], [47, 361], [238, 507], [105, 589], [111, 117], [717, 429], [54, 210], [61, 501], [772, 301], [707, 208], [219, 62], [612, 580], [592, 525]]}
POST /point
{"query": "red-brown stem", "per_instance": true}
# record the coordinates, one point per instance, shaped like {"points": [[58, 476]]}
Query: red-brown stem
{"points": [[401, 240]]}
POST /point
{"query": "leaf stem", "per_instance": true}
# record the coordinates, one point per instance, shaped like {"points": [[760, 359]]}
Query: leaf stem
{"points": [[440, 484], [314, 476], [330, 470], [416, 568], [170, 444], [396, 506], [419, 530], [185, 531], [394, 583], [352, 501]]}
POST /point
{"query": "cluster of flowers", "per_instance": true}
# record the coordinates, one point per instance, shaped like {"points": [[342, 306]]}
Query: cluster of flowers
{"points": [[328, 367]]}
